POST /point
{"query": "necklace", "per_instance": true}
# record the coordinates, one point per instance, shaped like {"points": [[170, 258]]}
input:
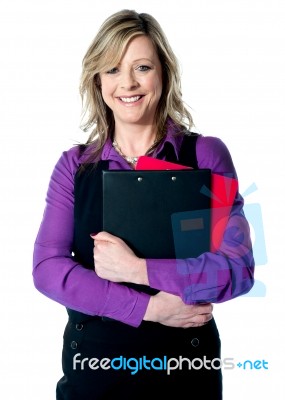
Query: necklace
{"points": [[130, 160]]}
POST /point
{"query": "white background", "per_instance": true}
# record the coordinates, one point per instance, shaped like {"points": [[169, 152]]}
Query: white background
{"points": [[232, 57]]}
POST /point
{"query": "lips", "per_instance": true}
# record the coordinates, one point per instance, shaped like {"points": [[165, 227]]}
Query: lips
{"points": [[129, 100]]}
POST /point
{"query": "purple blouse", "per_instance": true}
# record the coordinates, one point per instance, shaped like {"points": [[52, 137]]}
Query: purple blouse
{"points": [[211, 277]]}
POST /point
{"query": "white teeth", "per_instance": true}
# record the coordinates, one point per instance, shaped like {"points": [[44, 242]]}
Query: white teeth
{"points": [[130, 99]]}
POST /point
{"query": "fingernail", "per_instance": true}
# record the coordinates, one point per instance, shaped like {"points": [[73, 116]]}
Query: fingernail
{"points": [[93, 234]]}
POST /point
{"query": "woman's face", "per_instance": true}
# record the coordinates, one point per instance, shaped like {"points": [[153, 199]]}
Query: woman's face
{"points": [[132, 88]]}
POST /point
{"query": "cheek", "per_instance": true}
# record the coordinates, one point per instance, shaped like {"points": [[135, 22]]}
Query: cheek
{"points": [[107, 98]]}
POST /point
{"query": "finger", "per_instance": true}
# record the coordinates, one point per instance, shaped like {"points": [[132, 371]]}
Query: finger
{"points": [[198, 318], [202, 309], [198, 322], [106, 237], [210, 307]]}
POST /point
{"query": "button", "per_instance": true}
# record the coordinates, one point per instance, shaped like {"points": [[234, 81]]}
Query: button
{"points": [[79, 327], [73, 345], [195, 342]]}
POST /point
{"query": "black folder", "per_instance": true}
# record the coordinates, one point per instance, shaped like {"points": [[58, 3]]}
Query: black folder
{"points": [[159, 214]]}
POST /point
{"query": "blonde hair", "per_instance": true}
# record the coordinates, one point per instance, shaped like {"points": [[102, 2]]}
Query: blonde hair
{"points": [[105, 52]]}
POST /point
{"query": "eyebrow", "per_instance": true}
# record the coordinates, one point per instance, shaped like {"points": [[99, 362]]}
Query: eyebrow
{"points": [[141, 59]]}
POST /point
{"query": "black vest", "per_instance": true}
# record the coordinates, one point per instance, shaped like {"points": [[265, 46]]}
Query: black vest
{"points": [[88, 203]]}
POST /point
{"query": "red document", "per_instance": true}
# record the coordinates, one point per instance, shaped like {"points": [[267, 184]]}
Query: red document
{"points": [[222, 193]]}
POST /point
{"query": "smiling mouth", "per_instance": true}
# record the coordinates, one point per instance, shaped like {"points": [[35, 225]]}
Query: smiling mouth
{"points": [[130, 99]]}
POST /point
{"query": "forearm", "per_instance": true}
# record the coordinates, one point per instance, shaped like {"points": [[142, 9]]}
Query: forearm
{"points": [[58, 276], [195, 283], [68, 283], [211, 277]]}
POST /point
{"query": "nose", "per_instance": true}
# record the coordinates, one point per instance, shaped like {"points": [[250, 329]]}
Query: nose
{"points": [[128, 80]]}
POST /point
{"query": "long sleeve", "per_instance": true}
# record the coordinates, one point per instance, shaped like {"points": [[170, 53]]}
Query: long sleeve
{"points": [[211, 277], [62, 279]]}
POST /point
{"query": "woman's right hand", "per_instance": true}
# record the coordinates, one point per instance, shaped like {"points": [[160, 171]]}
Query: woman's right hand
{"points": [[168, 309]]}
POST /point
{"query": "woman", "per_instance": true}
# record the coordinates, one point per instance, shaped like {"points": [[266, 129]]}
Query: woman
{"points": [[120, 339]]}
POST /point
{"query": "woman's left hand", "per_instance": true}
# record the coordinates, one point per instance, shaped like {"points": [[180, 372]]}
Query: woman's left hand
{"points": [[115, 261]]}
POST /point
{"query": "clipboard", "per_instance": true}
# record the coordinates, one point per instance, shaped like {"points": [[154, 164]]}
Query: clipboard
{"points": [[223, 192], [159, 214]]}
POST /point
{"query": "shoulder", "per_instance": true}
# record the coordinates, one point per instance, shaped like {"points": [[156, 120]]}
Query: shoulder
{"points": [[70, 160], [213, 153]]}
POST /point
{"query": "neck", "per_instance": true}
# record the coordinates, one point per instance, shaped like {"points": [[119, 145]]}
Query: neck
{"points": [[135, 141]]}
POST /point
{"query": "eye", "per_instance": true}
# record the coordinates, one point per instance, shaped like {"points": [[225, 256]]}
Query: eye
{"points": [[143, 68], [112, 71]]}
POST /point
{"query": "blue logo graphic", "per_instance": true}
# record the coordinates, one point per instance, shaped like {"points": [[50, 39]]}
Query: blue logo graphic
{"points": [[254, 216]]}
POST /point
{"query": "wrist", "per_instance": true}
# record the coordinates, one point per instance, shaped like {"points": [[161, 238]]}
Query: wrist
{"points": [[149, 314], [140, 272]]}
